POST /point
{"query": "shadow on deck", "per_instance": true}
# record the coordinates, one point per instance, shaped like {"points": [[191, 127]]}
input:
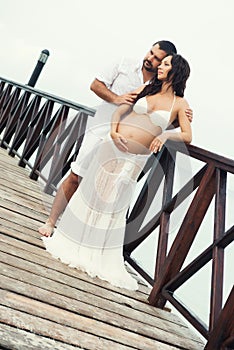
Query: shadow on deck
{"points": [[45, 304]]}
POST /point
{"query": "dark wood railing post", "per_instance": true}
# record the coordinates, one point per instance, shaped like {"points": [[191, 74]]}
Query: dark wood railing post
{"points": [[61, 162], [165, 216], [5, 95], [218, 252], [34, 131], [23, 123], [222, 335], [8, 102], [185, 236], [14, 116]]}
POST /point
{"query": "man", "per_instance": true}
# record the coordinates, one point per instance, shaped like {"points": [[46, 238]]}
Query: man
{"points": [[115, 87]]}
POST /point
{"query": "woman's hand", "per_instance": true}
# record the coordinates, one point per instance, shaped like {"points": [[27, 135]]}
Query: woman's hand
{"points": [[119, 141], [157, 143]]}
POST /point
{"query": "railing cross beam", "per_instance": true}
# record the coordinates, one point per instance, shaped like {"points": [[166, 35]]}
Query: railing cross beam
{"points": [[185, 236]]}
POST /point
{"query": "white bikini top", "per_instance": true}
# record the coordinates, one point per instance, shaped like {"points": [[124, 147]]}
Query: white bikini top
{"points": [[160, 118]]}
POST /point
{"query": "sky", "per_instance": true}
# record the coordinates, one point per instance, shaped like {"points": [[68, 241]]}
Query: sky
{"points": [[84, 36]]}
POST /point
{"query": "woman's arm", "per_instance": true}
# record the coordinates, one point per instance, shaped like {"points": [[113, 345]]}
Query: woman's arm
{"points": [[175, 124], [122, 110], [185, 135], [118, 139]]}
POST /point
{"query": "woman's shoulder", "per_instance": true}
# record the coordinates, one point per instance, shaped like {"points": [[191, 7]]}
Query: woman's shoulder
{"points": [[181, 102]]}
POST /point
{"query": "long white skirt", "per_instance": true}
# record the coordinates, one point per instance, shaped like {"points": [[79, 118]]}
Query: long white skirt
{"points": [[91, 231]]}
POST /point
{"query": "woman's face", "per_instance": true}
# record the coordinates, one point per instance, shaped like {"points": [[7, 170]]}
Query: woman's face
{"points": [[164, 68]]}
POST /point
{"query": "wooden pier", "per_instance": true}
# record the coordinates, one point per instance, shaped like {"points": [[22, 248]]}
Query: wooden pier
{"points": [[45, 304]]}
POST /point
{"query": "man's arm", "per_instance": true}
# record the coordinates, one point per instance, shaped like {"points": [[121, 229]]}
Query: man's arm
{"points": [[101, 90]]}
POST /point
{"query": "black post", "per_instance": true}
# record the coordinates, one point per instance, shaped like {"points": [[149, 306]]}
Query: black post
{"points": [[37, 70]]}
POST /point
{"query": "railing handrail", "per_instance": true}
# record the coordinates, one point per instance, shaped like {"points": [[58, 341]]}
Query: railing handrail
{"points": [[58, 99], [222, 162]]}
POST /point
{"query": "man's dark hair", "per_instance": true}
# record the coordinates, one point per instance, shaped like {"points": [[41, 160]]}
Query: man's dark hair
{"points": [[166, 46]]}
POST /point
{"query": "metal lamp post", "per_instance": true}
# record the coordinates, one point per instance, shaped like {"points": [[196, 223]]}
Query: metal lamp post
{"points": [[37, 70]]}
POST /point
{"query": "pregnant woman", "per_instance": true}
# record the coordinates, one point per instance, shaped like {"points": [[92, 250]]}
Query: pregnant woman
{"points": [[90, 233]]}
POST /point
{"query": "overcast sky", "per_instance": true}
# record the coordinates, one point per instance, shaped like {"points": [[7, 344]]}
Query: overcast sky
{"points": [[84, 36]]}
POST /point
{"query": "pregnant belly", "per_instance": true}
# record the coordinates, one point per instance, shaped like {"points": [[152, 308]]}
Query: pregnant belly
{"points": [[139, 133]]}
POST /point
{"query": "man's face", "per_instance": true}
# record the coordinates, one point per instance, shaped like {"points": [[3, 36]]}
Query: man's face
{"points": [[153, 59]]}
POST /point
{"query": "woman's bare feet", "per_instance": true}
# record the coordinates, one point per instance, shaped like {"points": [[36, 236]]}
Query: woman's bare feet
{"points": [[47, 229]]}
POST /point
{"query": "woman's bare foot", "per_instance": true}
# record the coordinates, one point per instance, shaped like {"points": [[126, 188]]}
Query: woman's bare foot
{"points": [[47, 229]]}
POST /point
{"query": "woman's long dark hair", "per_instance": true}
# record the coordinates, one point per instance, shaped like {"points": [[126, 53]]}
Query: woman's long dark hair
{"points": [[177, 77]]}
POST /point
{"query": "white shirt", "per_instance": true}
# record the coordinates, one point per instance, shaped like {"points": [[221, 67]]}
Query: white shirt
{"points": [[121, 78]]}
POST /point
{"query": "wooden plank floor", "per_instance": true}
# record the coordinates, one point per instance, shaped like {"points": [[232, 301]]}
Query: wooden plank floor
{"points": [[45, 304]]}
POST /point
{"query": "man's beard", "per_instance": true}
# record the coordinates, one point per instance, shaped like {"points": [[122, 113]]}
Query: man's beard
{"points": [[149, 67]]}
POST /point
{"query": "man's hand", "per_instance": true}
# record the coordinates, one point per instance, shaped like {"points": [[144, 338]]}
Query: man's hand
{"points": [[119, 141], [101, 90], [128, 98], [189, 114]]}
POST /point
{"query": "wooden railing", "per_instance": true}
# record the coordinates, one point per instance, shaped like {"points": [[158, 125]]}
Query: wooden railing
{"points": [[42, 129], [208, 183], [46, 132]]}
